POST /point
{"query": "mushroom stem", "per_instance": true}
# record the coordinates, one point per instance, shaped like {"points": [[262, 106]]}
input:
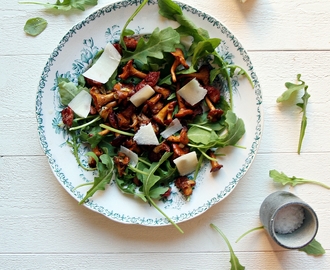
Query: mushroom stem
{"points": [[129, 71], [160, 116], [209, 103], [161, 90], [100, 99], [214, 113], [215, 166], [179, 60], [183, 111]]}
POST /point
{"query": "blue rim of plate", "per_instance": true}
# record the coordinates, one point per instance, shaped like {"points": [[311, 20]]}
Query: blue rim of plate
{"points": [[142, 220]]}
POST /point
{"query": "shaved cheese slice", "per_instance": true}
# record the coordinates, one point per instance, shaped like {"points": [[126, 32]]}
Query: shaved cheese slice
{"points": [[81, 103], [146, 136], [175, 126], [186, 163], [192, 92], [105, 66], [133, 157], [142, 95]]}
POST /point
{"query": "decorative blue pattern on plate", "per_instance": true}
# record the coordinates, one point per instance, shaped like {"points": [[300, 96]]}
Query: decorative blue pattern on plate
{"points": [[73, 55]]}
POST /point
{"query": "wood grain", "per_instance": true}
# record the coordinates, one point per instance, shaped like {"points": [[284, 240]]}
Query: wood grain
{"points": [[43, 227]]}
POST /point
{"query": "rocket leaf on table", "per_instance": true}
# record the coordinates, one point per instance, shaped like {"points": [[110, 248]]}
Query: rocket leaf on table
{"points": [[65, 4], [35, 26], [292, 88], [235, 264], [282, 178], [314, 248]]}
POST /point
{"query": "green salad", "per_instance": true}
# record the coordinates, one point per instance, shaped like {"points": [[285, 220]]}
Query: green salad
{"points": [[151, 110]]}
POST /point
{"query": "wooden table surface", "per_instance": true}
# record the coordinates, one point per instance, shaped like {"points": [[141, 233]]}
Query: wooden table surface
{"points": [[43, 227]]}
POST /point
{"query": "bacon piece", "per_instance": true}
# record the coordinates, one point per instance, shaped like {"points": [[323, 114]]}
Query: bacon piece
{"points": [[130, 43], [67, 116], [151, 79], [213, 93]]}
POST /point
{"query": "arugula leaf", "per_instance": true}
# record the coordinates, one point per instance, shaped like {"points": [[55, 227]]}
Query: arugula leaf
{"points": [[75, 147], [129, 188], [172, 11], [105, 168], [199, 34], [206, 138], [155, 181], [65, 4], [125, 31], [293, 181], [160, 41], [292, 88], [68, 90], [201, 135], [235, 264], [150, 179], [204, 48], [249, 231], [235, 130], [35, 26], [313, 248]]}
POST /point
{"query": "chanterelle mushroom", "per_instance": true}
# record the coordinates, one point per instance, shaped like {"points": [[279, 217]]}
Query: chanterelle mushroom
{"points": [[179, 60]]}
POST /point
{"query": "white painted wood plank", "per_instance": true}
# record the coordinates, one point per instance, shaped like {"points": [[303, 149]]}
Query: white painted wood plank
{"points": [[159, 261], [259, 25]]}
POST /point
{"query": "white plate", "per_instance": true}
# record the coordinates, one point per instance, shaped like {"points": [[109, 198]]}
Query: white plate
{"points": [[71, 57]]}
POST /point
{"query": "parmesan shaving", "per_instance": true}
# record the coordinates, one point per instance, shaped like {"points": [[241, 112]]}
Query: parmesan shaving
{"points": [[105, 66], [146, 136], [186, 163], [192, 92], [142, 95], [81, 103], [175, 126]]}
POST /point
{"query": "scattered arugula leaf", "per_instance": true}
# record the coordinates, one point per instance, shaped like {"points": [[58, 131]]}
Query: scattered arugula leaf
{"points": [[235, 264], [35, 26], [314, 248], [291, 88], [64, 4], [249, 231], [280, 177]]}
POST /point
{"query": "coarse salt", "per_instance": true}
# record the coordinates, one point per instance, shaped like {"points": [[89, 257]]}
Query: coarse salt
{"points": [[288, 219]]}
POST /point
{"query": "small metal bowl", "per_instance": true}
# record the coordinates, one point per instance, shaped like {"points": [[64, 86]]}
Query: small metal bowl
{"points": [[298, 238]]}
